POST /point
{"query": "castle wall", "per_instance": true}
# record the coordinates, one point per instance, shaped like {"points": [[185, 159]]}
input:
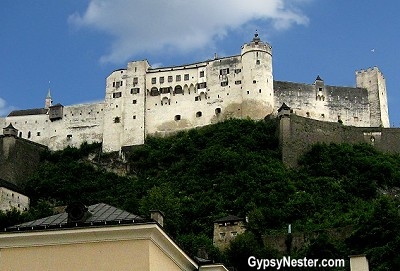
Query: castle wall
{"points": [[332, 103], [298, 134], [80, 123], [19, 158]]}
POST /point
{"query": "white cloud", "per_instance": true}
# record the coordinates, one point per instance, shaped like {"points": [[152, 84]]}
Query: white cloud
{"points": [[4, 108], [154, 25]]}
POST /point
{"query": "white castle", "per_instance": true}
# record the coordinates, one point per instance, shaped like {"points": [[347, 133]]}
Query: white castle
{"points": [[141, 101]]}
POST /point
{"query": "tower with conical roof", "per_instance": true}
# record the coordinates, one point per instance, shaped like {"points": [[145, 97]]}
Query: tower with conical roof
{"points": [[48, 101]]}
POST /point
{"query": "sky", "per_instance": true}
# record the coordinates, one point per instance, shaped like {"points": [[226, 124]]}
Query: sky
{"points": [[72, 46]]}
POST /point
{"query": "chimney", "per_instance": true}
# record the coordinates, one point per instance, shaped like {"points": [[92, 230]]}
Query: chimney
{"points": [[358, 263], [77, 212], [157, 216]]}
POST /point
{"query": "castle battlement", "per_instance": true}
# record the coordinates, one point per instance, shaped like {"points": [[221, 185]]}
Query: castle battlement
{"points": [[141, 100]]}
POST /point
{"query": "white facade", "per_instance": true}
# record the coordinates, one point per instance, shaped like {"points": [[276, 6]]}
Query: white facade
{"points": [[141, 101], [10, 199]]}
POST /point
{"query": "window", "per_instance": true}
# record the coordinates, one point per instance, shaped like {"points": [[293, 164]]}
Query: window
{"points": [[69, 137], [29, 134], [201, 73], [135, 80], [197, 98], [259, 91], [161, 79], [234, 234], [177, 117], [221, 235], [258, 62], [224, 83], [248, 92], [178, 90], [117, 120], [134, 117], [153, 80], [224, 71], [38, 134], [170, 78], [186, 77], [308, 114], [118, 84], [178, 78], [238, 70], [154, 92], [199, 114], [238, 82], [217, 111], [134, 101], [201, 85], [165, 90], [254, 81], [117, 94], [135, 90]]}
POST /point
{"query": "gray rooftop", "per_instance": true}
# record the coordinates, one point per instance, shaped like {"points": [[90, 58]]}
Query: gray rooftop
{"points": [[101, 214], [27, 112]]}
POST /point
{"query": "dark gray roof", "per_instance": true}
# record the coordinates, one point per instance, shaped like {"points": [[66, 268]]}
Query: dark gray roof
{"points": [[229, 218], [27, 112], [9, 185], [101, 214]]}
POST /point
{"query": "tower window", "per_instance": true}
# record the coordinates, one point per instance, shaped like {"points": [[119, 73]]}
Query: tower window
{"points": [[217, 111], [134, 101], [135, 90], [224, 83], [258, 62], [177, 117], [117, 120], [254, 81], [238, 82], [199, 114], [117, 94], [135, 80]]}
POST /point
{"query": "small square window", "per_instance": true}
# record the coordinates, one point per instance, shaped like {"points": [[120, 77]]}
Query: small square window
{"points": [[153, 80], [178, 78], [177, 117], [186, 77], [135, 80], [134, 117], [201, 73], [161, 79], [134, 101], [170, 78]]}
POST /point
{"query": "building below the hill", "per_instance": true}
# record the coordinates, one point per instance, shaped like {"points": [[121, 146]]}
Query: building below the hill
{"points": [[12, 198], [99, 237], [141, 100]]}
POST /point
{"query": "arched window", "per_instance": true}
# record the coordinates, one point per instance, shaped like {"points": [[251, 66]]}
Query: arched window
{"points": [[178, 90], [154, 91]]}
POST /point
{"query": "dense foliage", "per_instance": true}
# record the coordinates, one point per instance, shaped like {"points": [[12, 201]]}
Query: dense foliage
{"points": [[200, 175]]}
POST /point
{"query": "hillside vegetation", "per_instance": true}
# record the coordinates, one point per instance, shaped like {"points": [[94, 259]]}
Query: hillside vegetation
{"points": [[234, 167]]}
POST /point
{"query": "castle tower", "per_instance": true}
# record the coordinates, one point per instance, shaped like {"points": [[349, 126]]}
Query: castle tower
{"points": [[48, 102], [125, 107], [257, 85], [373, 80]]}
